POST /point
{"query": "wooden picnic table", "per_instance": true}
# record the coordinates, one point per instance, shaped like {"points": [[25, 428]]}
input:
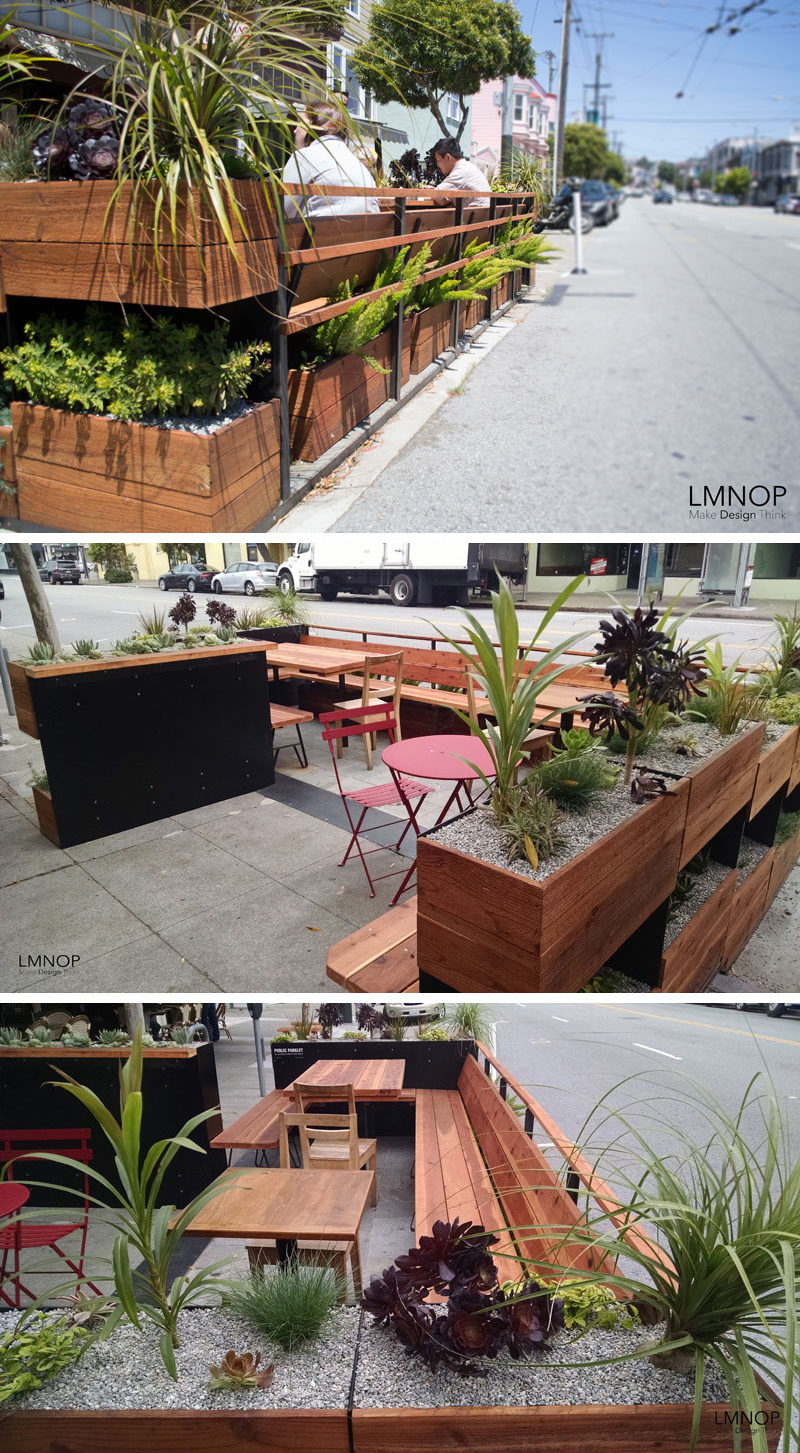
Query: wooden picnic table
{"points": [[313, 661], [372, 1079], [287, 1206]]}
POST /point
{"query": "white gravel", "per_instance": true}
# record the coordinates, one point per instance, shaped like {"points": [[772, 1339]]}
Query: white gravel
{"points": [[477, 833], [709, 742], [196, 423], [750, 855], [127, 1371], [389, 1377], [704, 885]]}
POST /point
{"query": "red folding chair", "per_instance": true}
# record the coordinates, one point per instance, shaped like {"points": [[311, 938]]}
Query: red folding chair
{"points": [[358, 721], [19, 1235]]}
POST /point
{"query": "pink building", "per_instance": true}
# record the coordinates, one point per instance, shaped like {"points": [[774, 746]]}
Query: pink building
{"points": [[534, 120]]}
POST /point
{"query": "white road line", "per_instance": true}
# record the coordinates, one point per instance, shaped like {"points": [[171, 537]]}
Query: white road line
{"points": [[560, 1020], [795, 246], [657, 1051]]}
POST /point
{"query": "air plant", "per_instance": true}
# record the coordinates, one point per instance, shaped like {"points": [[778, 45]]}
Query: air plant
{"points": [[184, 611], [240, 1370], [220, 613], [479, 1320]]}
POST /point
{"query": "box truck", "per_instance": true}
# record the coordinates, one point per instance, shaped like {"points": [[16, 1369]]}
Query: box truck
{"points": [[426, 570]]}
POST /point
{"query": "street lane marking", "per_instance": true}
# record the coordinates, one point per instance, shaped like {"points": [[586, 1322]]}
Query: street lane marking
{"points": [[795, 246], [697, 1024], [560, 1020], [653, 1050]]}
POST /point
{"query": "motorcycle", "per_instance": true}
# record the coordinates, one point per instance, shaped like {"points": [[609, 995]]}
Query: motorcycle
{"points": [[561, 217]]}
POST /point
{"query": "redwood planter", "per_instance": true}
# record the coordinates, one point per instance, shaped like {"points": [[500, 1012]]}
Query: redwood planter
{"points": [[84, 472], [179, 1430], [43, 803], [697, 951], [748, 907], [110, 763], [9, 502], [794, 777], [785, 859], [774, 769], [326, 403], [429, 335], [720, 787], [488, 929], [56, 241]]}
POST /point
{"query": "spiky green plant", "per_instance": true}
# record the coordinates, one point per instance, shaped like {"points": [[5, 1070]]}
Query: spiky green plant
{"points": [[87, 650], [575, 779], [11, 1038], [134, 1208], [352, 331], [291, 1306], [41, 1035], [42, 653], [530, 822], [782, 676], [286, 607], [513, 695], [249, 618], [153, 622], [729, 697], [469, 1021]]}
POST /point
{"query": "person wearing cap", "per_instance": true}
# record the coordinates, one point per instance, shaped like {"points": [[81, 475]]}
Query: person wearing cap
{"points": [[323, 159]]}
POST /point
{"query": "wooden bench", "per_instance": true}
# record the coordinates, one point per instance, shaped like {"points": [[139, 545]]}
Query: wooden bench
{"points": [[474, 1160], [380, 958], [283, 716], [257, 1130]]}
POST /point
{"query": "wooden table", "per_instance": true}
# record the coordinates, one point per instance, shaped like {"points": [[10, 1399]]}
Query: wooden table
{"points": [[287, 1206], [372, 1079], [312, 661]]}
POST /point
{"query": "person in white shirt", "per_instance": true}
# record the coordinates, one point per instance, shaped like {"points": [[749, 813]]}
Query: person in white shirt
{"points": [[326, 161], [459, 174]]}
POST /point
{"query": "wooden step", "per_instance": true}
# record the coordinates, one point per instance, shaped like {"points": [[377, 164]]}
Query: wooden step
{"points": [[381, 957]]}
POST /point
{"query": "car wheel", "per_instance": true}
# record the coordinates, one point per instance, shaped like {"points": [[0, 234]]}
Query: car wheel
{"points": [[162, 584], [249, 588], [403, 590], [328, 592], [284, 582], [216, 587], [191, 587], [775, 1010]]}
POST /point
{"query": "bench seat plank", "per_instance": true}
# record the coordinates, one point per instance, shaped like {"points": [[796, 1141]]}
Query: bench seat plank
{"points": [[380, 956], [257, 1129]]}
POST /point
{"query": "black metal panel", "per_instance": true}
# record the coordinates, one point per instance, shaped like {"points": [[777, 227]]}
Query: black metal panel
{"points": [[174, 1088], [763, 826], [430, 1065], [141, 742], [641, 953]]}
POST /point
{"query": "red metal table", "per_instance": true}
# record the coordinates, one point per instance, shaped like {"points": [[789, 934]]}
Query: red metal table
{"points": [[445, 758], [12, 1198]]}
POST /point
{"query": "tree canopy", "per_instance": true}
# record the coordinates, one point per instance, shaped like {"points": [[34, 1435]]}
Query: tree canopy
{"points": [[586, 150], [615, 169], [667, 172], [419, 51], [735, 183]]}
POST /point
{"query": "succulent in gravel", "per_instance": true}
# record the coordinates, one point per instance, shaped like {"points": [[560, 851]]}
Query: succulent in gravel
{"points": [[84, 145], [11, 1038], [41, 652], [114, 1038], [220, 613], [646, 785], [607, 714], [686, 744], [184, 610], [675, 678], [629, 639], [237, 1370]]}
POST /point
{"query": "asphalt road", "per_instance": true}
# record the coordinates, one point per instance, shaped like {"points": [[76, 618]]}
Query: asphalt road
{"points": [[668, 367], [109, 612]]}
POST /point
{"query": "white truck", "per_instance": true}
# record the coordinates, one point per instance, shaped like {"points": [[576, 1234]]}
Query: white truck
{"points": [[425, 570]]}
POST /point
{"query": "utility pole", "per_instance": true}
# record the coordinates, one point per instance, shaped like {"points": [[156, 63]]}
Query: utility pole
{"points": [[550, 57], [600, 36], [507, 133], [561, 114]]}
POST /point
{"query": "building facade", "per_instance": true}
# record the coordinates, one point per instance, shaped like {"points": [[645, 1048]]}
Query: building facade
{"points": [[616, 567], [534, 122], [777, 170]]}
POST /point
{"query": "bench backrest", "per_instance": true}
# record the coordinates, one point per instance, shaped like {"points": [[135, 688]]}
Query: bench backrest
{"points": [[538, 1207]]}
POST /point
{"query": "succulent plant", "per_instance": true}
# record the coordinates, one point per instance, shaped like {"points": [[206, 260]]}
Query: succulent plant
{"points": [[88, 1311], [114, 1038], [84, 145], [241, 1370], [184, 610], [41, 653], [220, 613], [629, 642], [674, 679], [686, 744], [607, 714], [41, 1034], [87, 650], [646, 785], [76, 1039], [11, 1038]]}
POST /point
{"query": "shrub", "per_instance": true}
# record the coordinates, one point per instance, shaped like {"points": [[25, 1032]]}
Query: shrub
{"points": [[35, 1349], [784, 709], [290, 1306], [220, 613], [593, 1304], [132, 366], [432, 1032], [352, 1034], [575, 780], [116, 576], [468, 1021], [788, 826], [40, 781]]}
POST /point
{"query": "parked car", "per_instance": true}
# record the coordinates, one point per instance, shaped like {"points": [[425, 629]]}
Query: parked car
{"points": [[788, 203], [613, 197], [61, 572], [594, 200], [662, 196], [775, 1008], [246, 576], [186, 577], [727, 200]]}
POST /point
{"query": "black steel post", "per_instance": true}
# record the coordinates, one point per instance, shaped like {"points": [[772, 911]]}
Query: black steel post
{"points": [[573, 1185], [397, 323], [492, 238], [459, 253], [529, 1122], [280, 368]]}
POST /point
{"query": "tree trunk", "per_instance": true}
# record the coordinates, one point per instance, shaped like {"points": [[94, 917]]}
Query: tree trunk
{"points": [[134, 1018], [434, 105], [38, 604], [464, 119]]}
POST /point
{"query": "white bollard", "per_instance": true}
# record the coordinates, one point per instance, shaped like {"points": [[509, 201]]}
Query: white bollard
{"points": [[576, 212]]}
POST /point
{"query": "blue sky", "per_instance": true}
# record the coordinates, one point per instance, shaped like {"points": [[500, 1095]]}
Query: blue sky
{"points": [[731, 84]]}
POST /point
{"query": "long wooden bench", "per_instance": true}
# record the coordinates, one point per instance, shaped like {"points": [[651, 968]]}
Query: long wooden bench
{"points": [[257, 1129], [284, 716], [475, 1161]]}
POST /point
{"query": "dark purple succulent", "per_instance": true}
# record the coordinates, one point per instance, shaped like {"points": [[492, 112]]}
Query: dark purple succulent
{"points": [[50, 151], [629, 641], [646, 785], [474, 1326], [382, 1295], [674, 679], [223, 615], [609, 715], [531, 1314], [95, 158], [454, 1249], [184, 610], [84, 145]]}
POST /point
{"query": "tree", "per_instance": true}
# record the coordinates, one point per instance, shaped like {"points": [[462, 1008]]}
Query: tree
{"points": [[615, 169], [704, 179], [735, 183], [38, 604], [179, 550], [110, 557], [585, 150], [419, 51], [667, 172]]}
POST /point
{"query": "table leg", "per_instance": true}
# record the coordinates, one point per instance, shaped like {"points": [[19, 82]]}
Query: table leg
{"points": [[355, 1262], [286, 1252]]}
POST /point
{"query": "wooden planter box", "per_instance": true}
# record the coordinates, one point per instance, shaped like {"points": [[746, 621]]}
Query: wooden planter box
{"points": [[111, 767], [774, 768], [784, 861], [794, 776], [179, 1430], [9, 501], [43, 803], [748, 907], [326, 403], [429, 335], [720, 787], [698, 950], [56, 242], [487, 929], [84, 472]]}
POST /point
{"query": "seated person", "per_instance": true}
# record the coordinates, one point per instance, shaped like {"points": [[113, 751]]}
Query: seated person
{"points": [[459, 174], [326, 161]]}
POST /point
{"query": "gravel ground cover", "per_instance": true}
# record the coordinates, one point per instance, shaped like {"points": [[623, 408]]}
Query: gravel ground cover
{"points": [[127, 1371], [478, 834], [388, 1378], [703, 887], [662, 755], [197, 423], [750, 856]]}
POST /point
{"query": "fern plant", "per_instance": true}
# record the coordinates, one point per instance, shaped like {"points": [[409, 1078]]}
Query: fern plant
{"points": [[350, 332]]}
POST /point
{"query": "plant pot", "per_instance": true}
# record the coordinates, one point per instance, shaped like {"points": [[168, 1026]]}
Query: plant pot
{"points": [[429, 335], [179, 1430], [9, 498], [721, 786], [697, 951], [81, 471], [774, 769], [325, 403], [748, 906], [114, 759], [57, 241], [43, 803], [481, 928], [785, 859]]}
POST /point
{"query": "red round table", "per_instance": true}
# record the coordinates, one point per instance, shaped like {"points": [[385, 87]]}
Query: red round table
{"points": [[12, 1198], [443, 758]]}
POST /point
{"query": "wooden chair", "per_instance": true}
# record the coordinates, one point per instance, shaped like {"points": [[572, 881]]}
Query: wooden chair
{"points": [[329, 1142], [222, 1021], [376, 692]]}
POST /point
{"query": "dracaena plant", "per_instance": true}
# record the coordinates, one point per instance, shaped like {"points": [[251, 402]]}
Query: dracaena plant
{"points": [[513, 692], [144, 1226], [478, 1320]]}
